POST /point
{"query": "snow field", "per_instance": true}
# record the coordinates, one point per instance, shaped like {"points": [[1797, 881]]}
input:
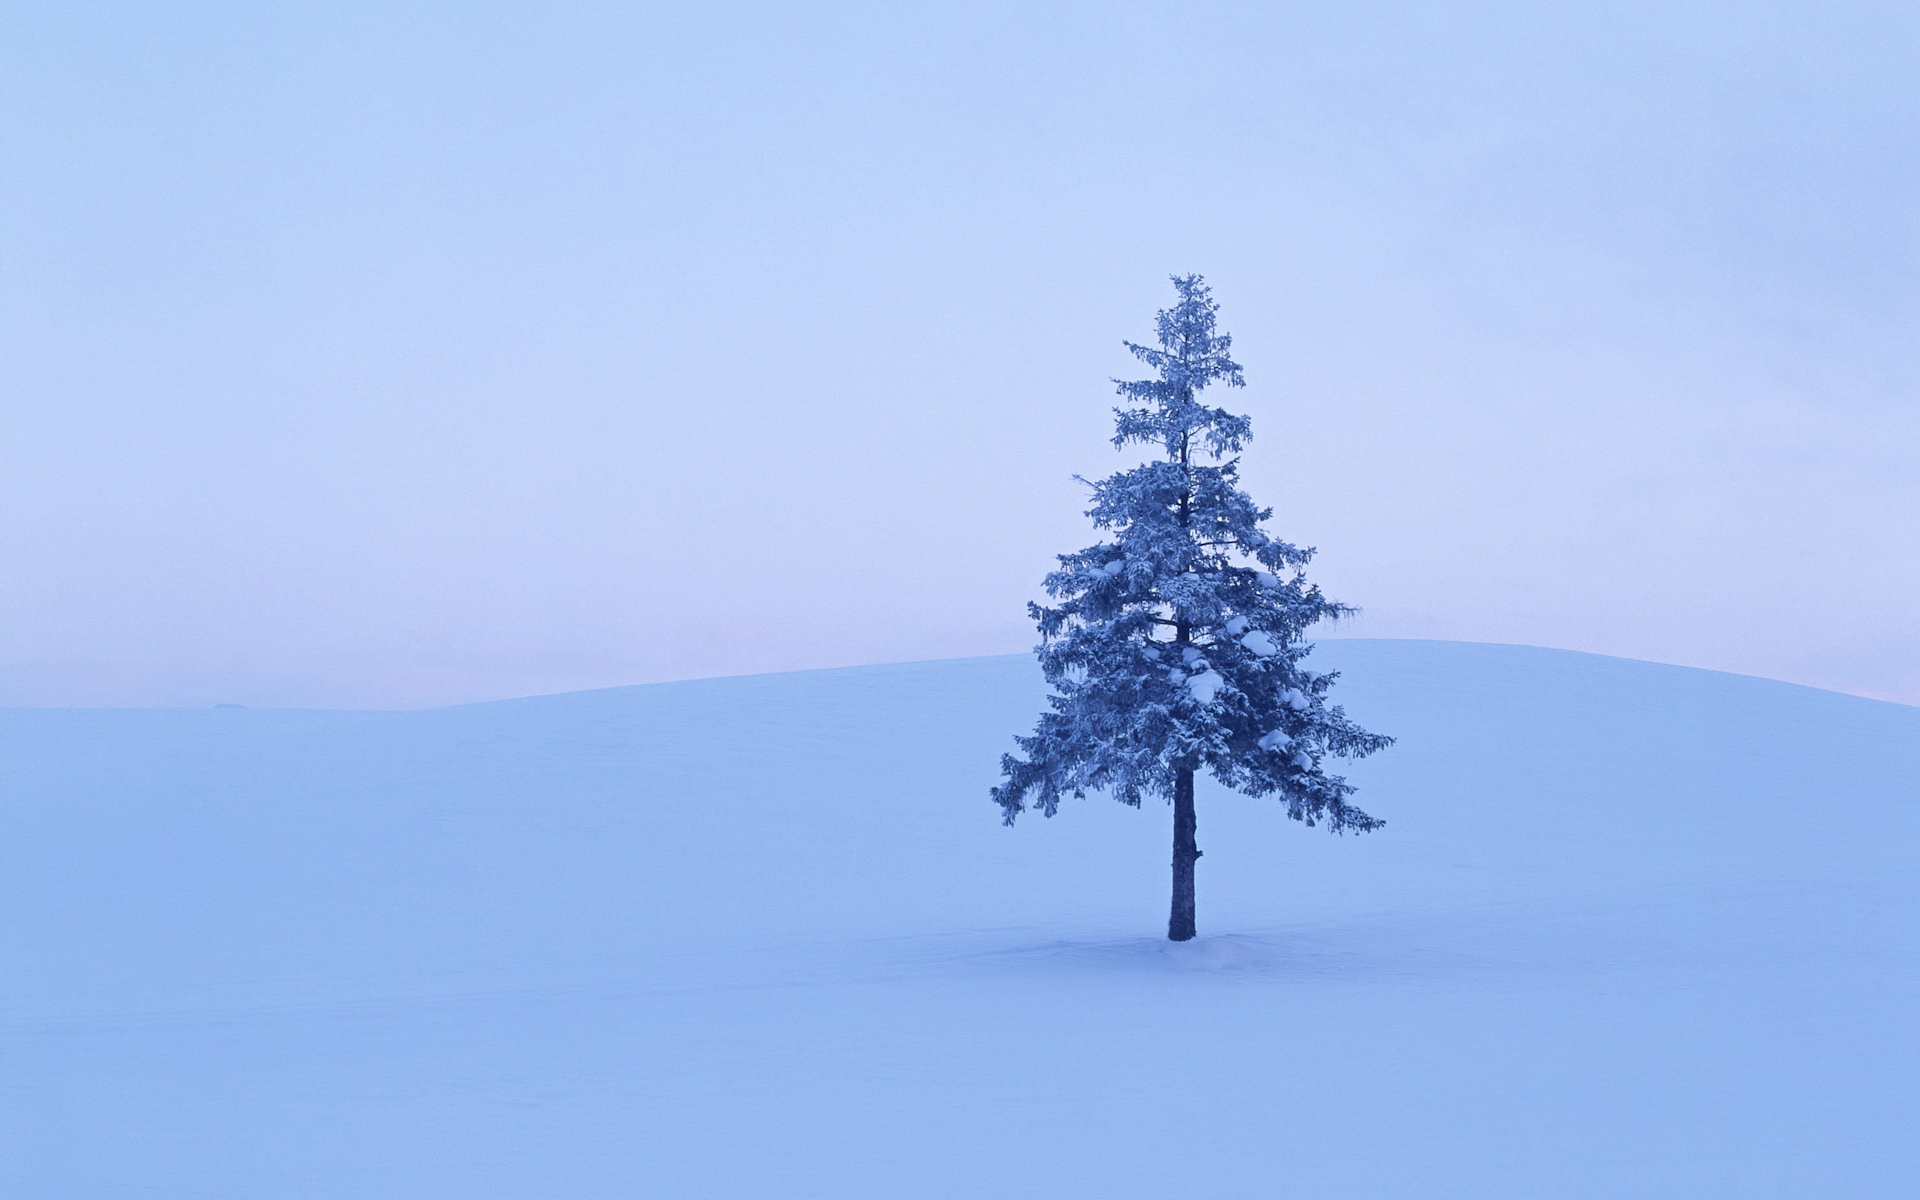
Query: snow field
{"points": [[1629, 930]]}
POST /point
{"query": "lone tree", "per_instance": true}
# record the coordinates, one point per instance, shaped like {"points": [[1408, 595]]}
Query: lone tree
{"points": [[1177, 645]]}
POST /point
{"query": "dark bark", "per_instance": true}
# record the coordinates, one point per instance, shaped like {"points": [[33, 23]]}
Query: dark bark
{"points": [[1180, 924]]}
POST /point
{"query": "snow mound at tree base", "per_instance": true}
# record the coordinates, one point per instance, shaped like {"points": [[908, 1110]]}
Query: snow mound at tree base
{"points": [[1227, 952], [1629, 930]]}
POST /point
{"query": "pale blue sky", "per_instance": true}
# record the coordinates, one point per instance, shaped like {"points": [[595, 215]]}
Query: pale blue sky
{"points": [[402, 353]]}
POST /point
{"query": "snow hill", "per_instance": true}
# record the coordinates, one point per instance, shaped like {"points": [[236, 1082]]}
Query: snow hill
{"points": [[1631, 930]]}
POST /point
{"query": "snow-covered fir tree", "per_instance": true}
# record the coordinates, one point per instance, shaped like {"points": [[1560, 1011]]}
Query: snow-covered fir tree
{"points": [[1178, 644]]}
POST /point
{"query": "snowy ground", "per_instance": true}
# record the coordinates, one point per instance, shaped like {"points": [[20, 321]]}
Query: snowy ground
{"points": [[1631, 930]]}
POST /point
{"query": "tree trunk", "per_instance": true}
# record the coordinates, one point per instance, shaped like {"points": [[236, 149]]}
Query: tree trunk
{"points": [[1180, 924]]}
